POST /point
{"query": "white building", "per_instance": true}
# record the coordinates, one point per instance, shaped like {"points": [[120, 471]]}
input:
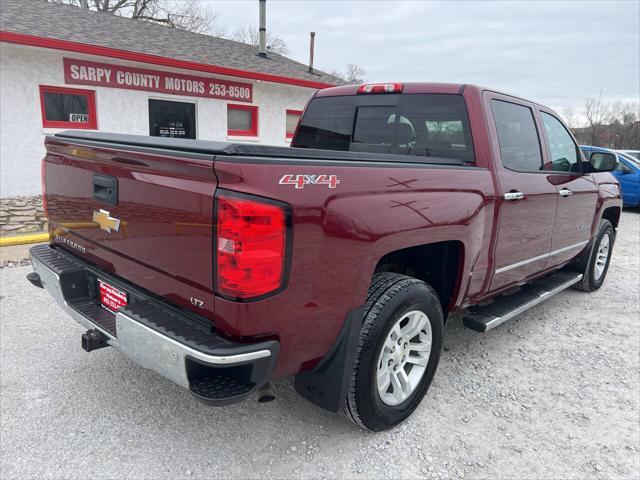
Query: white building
{"points": [[62, 67]]}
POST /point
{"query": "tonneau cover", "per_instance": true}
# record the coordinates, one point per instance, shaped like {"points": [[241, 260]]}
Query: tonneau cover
{"points": [[207, 147]]}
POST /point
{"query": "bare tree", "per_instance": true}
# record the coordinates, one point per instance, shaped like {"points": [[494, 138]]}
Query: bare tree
{"points": [[569, 117], [615, 125], [186, 15], [352, 74], [592, 114], [355, 73], [249, 35]]}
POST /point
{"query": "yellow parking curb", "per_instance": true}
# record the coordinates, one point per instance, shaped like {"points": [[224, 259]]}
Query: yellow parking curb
{"points": [[24, 239]]}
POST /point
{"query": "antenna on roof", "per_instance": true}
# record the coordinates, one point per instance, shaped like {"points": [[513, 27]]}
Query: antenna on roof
{"points": [[262, 32]]}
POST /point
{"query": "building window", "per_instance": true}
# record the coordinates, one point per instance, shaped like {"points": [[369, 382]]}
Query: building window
{"points": [[242, 120], [172, 119], [293, 117], [68, 108]]}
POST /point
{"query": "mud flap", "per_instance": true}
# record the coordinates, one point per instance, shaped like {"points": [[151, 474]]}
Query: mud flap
{"points": [[326, 385]]}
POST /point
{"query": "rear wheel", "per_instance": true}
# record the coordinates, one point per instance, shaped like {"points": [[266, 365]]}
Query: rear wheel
{"points": [[600, 256], [398, 351]]}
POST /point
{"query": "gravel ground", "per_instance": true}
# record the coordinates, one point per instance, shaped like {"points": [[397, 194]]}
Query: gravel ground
{"points": [[554, 393]]}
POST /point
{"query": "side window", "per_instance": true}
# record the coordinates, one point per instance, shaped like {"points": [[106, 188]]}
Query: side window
{"points": [[242, 120], [292, 119], [564, 152], [517, 135], [68, 107]]}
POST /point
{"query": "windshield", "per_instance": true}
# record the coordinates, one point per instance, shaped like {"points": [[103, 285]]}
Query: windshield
{"points": [[428, 125], [627, 156], [634, 154]]}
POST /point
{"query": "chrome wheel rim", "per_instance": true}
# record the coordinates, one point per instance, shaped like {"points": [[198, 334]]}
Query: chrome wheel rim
{"points": [[404, 357], [601, 256]]}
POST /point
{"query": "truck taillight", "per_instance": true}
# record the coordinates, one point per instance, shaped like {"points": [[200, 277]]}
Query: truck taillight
{"points": [[43, 179], [380, 88], [251, 246]]}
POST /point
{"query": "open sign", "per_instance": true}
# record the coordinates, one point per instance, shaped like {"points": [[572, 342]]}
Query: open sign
{"points": [[79, 117]]}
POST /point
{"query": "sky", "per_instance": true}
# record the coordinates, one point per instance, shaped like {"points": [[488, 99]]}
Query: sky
{"points": [[557, 53]]}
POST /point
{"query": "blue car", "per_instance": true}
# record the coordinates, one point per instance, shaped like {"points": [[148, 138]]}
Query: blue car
{"points": [[627, 173]]}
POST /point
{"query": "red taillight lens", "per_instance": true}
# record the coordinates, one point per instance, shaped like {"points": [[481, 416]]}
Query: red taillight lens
{"points": [[380, 88], [251, 239], [43, 179]]}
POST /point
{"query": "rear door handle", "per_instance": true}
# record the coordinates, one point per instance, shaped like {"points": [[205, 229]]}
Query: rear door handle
{"points": [[513, 196], [565, 192]]}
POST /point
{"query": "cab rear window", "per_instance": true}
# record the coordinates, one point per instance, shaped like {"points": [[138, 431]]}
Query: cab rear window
{"points": [[429, 125]]}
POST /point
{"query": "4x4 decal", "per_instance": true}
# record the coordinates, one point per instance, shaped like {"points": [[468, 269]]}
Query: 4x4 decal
{"points": [[301, 180]]}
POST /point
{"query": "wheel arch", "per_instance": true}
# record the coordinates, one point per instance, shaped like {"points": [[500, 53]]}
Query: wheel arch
{"points": [[439, 264], [612, 214]]}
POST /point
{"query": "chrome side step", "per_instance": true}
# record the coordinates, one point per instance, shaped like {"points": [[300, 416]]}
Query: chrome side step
{"points": [[490, 316]]}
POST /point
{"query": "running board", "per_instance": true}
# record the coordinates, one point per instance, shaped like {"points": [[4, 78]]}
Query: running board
{"points": [[505, 308]]}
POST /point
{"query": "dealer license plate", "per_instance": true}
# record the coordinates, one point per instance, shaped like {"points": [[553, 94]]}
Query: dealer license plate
{"points": [[111, 297]]}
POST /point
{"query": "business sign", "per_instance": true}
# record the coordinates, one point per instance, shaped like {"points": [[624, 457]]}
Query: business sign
{"points": [[79, 117], [80, 72]]}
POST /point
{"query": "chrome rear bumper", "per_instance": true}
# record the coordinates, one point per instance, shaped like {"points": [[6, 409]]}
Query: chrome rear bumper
{"points": [[155, 335]]}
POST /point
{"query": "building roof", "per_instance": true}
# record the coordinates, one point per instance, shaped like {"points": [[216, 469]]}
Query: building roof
{"points": [[67, 25]]}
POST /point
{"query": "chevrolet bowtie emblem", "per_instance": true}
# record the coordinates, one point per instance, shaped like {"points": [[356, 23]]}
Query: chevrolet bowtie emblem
{"points": [[106, 222]]}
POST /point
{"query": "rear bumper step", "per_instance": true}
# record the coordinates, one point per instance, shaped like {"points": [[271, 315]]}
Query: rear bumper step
{"points": [[157, 336], [490, 316]]}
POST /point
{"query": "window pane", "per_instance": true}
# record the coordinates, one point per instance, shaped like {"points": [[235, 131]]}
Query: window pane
{"points": [[238, 119], [410, 124], [292, 122], [65, 107], [440, 124], [375, 127], [327, 124], [518, 137], [564, 153], [172, 119]]}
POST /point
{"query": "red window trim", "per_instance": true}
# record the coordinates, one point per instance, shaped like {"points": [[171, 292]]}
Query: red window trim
{"points": [[91, 107], [296, 112], [253, 132], [77, 47]]}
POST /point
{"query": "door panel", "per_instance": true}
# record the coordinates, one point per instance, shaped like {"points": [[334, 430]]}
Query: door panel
{"points": [[577, 198], [629, 182], [527, 208], [577, 193], [526, 227]]}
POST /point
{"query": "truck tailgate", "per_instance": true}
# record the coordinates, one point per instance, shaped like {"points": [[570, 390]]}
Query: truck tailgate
{"points": [[146, 217]]}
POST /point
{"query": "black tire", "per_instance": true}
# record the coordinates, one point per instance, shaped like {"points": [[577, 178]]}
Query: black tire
{"points": [[390, 296], [590, 280]]}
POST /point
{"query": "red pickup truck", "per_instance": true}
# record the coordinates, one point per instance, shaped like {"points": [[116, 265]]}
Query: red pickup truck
{"points": [[338, 261]]}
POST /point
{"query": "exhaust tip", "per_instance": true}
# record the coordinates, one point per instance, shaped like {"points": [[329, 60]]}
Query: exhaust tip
{"points": [[265, 394]]}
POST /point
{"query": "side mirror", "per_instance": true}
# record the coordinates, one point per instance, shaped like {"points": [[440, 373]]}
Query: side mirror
{"points": [[603, 162]]}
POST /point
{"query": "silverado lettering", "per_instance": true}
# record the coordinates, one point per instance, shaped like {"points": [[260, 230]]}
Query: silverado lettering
{"points": [[451, 198]]}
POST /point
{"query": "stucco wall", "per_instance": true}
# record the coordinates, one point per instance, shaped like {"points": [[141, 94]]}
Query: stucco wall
{"points": [[23, 69]]}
